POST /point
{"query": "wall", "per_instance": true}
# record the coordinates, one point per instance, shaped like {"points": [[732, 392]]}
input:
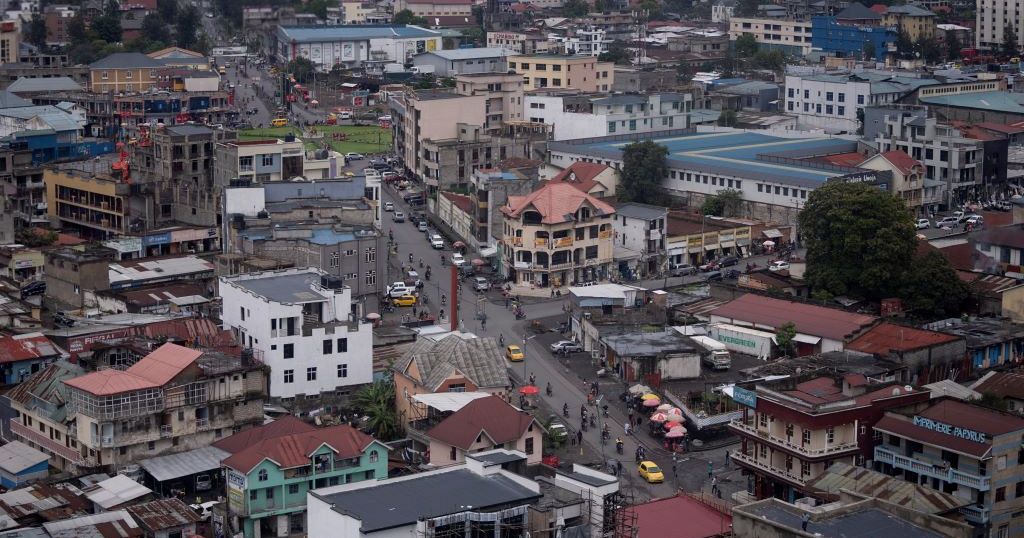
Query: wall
{"points": [[567, 125]]}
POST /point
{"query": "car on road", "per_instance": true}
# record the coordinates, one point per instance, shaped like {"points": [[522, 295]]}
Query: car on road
{"points": [[650, 472], [959, 215], [405, 300], [778, 265], [399, 289], [709, 266], [390, 175], [923, 224], [388, 206], [682, 270], [947, 222], [437, 241], [352, 156], [481, 284], [514, 353], [458, 260], [975, 221], [728, 261], [398, 216], [279, 122], [566, 346], [412, 278], [422, 225], [557, 430]]}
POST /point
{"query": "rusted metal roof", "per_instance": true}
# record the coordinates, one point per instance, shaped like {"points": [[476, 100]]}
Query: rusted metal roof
{"points": [[163, 514], [874, 484]]}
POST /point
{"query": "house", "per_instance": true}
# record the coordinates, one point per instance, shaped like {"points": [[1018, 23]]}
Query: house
{"points": [[991, 342], [352, 45], [1006, 385], [430, 8], [448, 63], [584, 73], [557, 236], [490, 191], [595, 179], [123, 72], [918, 23], [21, 464], [454, 363], [842, 478], [640, 239], [928, 355], [818, 328], [22, 355], [44, 396], [908, 183], [483, 424], [272, 467], [651, 356], [662, 517], [578, 113], [165, 518], [1005, 245], [606, 304]]}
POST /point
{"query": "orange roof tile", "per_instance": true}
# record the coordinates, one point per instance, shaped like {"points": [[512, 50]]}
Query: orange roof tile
{"points": [[295, 449], [581, 175], [491, 415], [109, 382], [152, 371], [556, 202], [903, 162]]}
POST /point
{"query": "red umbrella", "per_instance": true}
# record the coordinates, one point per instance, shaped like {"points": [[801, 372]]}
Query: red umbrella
{"points": [[529, 390], [670, 425]]}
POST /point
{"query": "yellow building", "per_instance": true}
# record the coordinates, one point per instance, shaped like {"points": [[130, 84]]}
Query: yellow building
{"points": [[123, 72], [10, 41], [97, 206], [916, 21], [583, 73]]}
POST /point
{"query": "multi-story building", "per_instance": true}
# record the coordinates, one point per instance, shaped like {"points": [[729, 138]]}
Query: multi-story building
{"points": [[70, 273], [993, 18], [96, 205], [970, 451], [918, 23], [557, 236], [907, 181], [123, 72], [584, 73], [10, 41], [451, 162], [43, 396], [848, 39], [640, 238], [267, 480], [352, 45], [436, 8], [308, 328], [490, 192], [793, 429], [788, 35], [172, 400], [431, 115], [582, 41], [448, 63], [57, 19], [519, 42], [355, 12], [573, 115], [504, 92], [271, 159]]}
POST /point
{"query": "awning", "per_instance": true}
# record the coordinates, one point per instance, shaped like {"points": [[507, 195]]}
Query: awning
{"points": [[805, 339], [727, 244], [771, 233], [448, 401], [743, 242], [709, 248], [488, 252], [200, 460]]}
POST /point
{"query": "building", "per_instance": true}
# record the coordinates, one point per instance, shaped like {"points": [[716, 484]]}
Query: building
{"points": [[519, 42], [661, 517], [918, 23], [573, 115], [10, 41], [448, 63], [832, 101], [504, 93], [583, 73], [597, 180], [788, 35], [95, 205], [581, 40], [485, 424], [306, 327], [629, 79], [431, 115], [272, 467], [21, 464], [907, 182], [116, 492], [354, 45], [1005, 246], [71, 274], [992, 20], [557, 236], [123, 72], [491, 191], [452, 363], [846, 39], [22, 355], [963, 449], [751, 96], [1006, 385], [640, 239], [991, 342], [117, 522], [435, 8], [271, 159], [928, 355], [165, 518], [57, 19], [793, 429], [44, 396]]}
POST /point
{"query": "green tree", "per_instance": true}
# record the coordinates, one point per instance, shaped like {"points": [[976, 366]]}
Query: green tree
{"points": [[652, 8], [904, 45], [302, 69], [36, 237], [726, 203], [77, 32], [953, 46], [575, 8], [746, 46], [643, 168], [784, 338], [933, 288], [617, 52], [774, 60], [930, 51], [187, 27], [727, 118], [107, 28], [36, 33], [1010, 48], [860, 120], [869, 51], [408, 17], [112, 8], [155, 29], [168, 9], [318, 7], [747, 8], [860, 240], [377, 402], [992, 400]]}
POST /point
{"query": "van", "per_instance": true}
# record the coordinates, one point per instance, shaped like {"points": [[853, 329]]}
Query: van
{"points": [[481, 284], [279, 122]]}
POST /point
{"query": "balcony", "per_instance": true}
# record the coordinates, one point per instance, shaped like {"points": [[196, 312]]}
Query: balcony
{"points": [[749, 461], [976, 514], [563, 242], [980, 483], [749, 429]]}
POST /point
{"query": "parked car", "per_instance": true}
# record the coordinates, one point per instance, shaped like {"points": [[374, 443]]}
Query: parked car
{"points": [[682, 270], [481, 284], [714, 277], [388, 206], [422, 225], [60, 319], [352, 156], [728, 261], [458, 260], [566, 346], [399, 289], [975, 221], [923, 224], [731, 274], [436, 241], [412, 278], [709, 266], [389, 175], [404, 300], [959, 215], [514, 353], [398, 216], [204, 510], [650, 472], [947, 222], [778, 265], [556, 429]]}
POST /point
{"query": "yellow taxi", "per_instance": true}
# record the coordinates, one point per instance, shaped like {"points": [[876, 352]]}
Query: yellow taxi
{"points": [[650, 472], [514, 353], [404, 300], [279, 122]]}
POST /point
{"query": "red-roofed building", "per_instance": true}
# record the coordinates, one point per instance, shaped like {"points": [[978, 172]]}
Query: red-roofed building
{"points": [[795, 428], [556, 236], [173, 399], [22, 355], [595, 179], [272, 467], [484, 424], [681, 516], [908, 181], [928, 355]]}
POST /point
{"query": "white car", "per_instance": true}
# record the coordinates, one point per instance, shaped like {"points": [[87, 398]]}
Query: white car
{"points": [[975, 221], [399, 289], [436, 241], [398, 216], [778, 265], [947, 222], [351, 156], [388, 206], [923, 224], [458, 260]]}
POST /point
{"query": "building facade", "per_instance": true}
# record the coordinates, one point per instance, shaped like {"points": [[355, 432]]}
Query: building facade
{"points": [[353, 45], [584, 73], [790, 36], [572, 115], [640, 232]]}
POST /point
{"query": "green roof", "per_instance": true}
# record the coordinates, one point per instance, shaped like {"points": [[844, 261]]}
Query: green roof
{"points": [[1011, 103]]}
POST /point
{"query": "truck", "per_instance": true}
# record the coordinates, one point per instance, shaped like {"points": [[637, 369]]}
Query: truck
{"points": [[715, 355]]}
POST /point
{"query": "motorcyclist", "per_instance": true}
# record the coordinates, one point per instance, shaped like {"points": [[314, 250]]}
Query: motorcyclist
{"points": [[549, 389], [565, 410]]}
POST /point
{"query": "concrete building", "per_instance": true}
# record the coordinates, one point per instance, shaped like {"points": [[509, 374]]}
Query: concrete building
{"points": [[123, 72], [504, 93], [573, 115], [597, 180], [583, 73], [57, 19], [918, 23], [557, 236], [791, 430], [831, 101], [92, 204], [435, 8], [581, 41], [10, 41], [22, 355], [482, 424], [519, 42], [271, 468], [431, 115], [993, 17], [305, 324], [789, 36], [846, 39], [354, 45], [491, 191], [633, 80], [640, 232], [71, 274], [272, 159], [963, 449], [908, 181], [448, 63]]}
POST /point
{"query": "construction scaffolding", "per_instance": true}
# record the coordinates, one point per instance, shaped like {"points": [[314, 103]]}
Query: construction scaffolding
{"points": [[507, 523], [617, 516]]}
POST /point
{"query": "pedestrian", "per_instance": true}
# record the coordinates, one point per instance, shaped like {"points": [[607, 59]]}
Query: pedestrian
{"points": [[630, 412], [726, 459], [626, 427], [572, 440], [639, 420], [804, 520], [414, 310], [711, 470], [714, 484], [507, 301], [579, 437], [618, 466]]}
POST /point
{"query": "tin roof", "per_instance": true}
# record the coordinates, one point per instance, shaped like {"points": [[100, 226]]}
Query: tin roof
{"points": [[294, 450], [116, 491], [152, 371], [163, 514], [16, 457], [21, 347], [491, 416], [885, 487], [886, 338], [809, 319], [116, 524]]}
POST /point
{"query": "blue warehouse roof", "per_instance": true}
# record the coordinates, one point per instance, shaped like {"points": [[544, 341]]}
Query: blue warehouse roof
{"points": [[314, 34]]}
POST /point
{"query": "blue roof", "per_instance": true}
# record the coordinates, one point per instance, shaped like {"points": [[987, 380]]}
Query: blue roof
{"points": [[733, 153], [352, 32], [996, 101]]}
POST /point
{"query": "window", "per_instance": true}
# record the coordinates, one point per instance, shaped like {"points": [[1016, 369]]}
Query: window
{"points": [[104, 75], [128, 75], [1001, 463], [842, 98], [806, 436], [1000, 494], [342, 345], [841, 110], [242, 310], [293, 489], [805, 468], [789, 430], [829, 96], [342, 370], [335, 259], [262, 475], [1018, 491], [289, 376], [860, 99], [311, 373], [374, 456], [252, 494], [289, 351], [371, 278], [151, 445], [790, 92], [830, 435], [267, 159], [328, 346], [529, 445], [762, 451], [371, 254], [611, 127], [452, 454]]}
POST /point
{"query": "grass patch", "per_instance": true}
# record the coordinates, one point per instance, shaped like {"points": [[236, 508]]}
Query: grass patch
{"points": [[361, 139]]}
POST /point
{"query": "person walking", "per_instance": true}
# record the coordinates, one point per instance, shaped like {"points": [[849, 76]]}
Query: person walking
{"points": [[579, 437], [711, 470], [727, 457], [714, 485], [804, 520]]}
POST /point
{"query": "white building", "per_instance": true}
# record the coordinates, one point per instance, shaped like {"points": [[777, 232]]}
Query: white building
{"points": [[722, 11], [352, 45], [831, 101], [306, 326], [993, 16], [640, 237], [572, 115], [790, 36], [583, 41]]}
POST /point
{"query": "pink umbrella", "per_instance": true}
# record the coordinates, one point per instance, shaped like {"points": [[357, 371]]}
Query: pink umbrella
{"points": [[670, 425], [675, 434], [658, 417], [673, 411], [652, 402]]}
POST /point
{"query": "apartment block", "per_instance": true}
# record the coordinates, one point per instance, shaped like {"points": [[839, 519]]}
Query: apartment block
{"points": [[504, 93], [584, 73], [572, 115], [96, 205], [993, 17], [788, 35]]}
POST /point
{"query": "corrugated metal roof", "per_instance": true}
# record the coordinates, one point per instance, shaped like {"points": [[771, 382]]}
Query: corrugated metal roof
{"points": [[16, 457], [164, 514], [200, 460], [50, 84], [116, 491], [875, 484]]}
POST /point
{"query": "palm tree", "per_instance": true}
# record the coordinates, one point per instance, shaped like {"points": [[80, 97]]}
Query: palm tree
{"points": [[377, 402]]}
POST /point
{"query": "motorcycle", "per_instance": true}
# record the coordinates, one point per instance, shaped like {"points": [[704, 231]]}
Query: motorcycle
{"points": [[549, 389], [618, 446], [565, 410]]}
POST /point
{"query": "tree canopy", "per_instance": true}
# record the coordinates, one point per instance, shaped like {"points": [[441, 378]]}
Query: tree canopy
{"points": [[575, 8], [301, 68], [726, 203], [408, 17], [643, 168], [107, 28], [746, 45], [36, 32], [933, 288], [187, 27], [1010, 46]]}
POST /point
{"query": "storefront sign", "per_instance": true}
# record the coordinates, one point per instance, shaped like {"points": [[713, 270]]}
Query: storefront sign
{"points": [[193, 234], [156, 239], [742, 233], [693, 242], [738, 341], [744, 397], [950, 429]]}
